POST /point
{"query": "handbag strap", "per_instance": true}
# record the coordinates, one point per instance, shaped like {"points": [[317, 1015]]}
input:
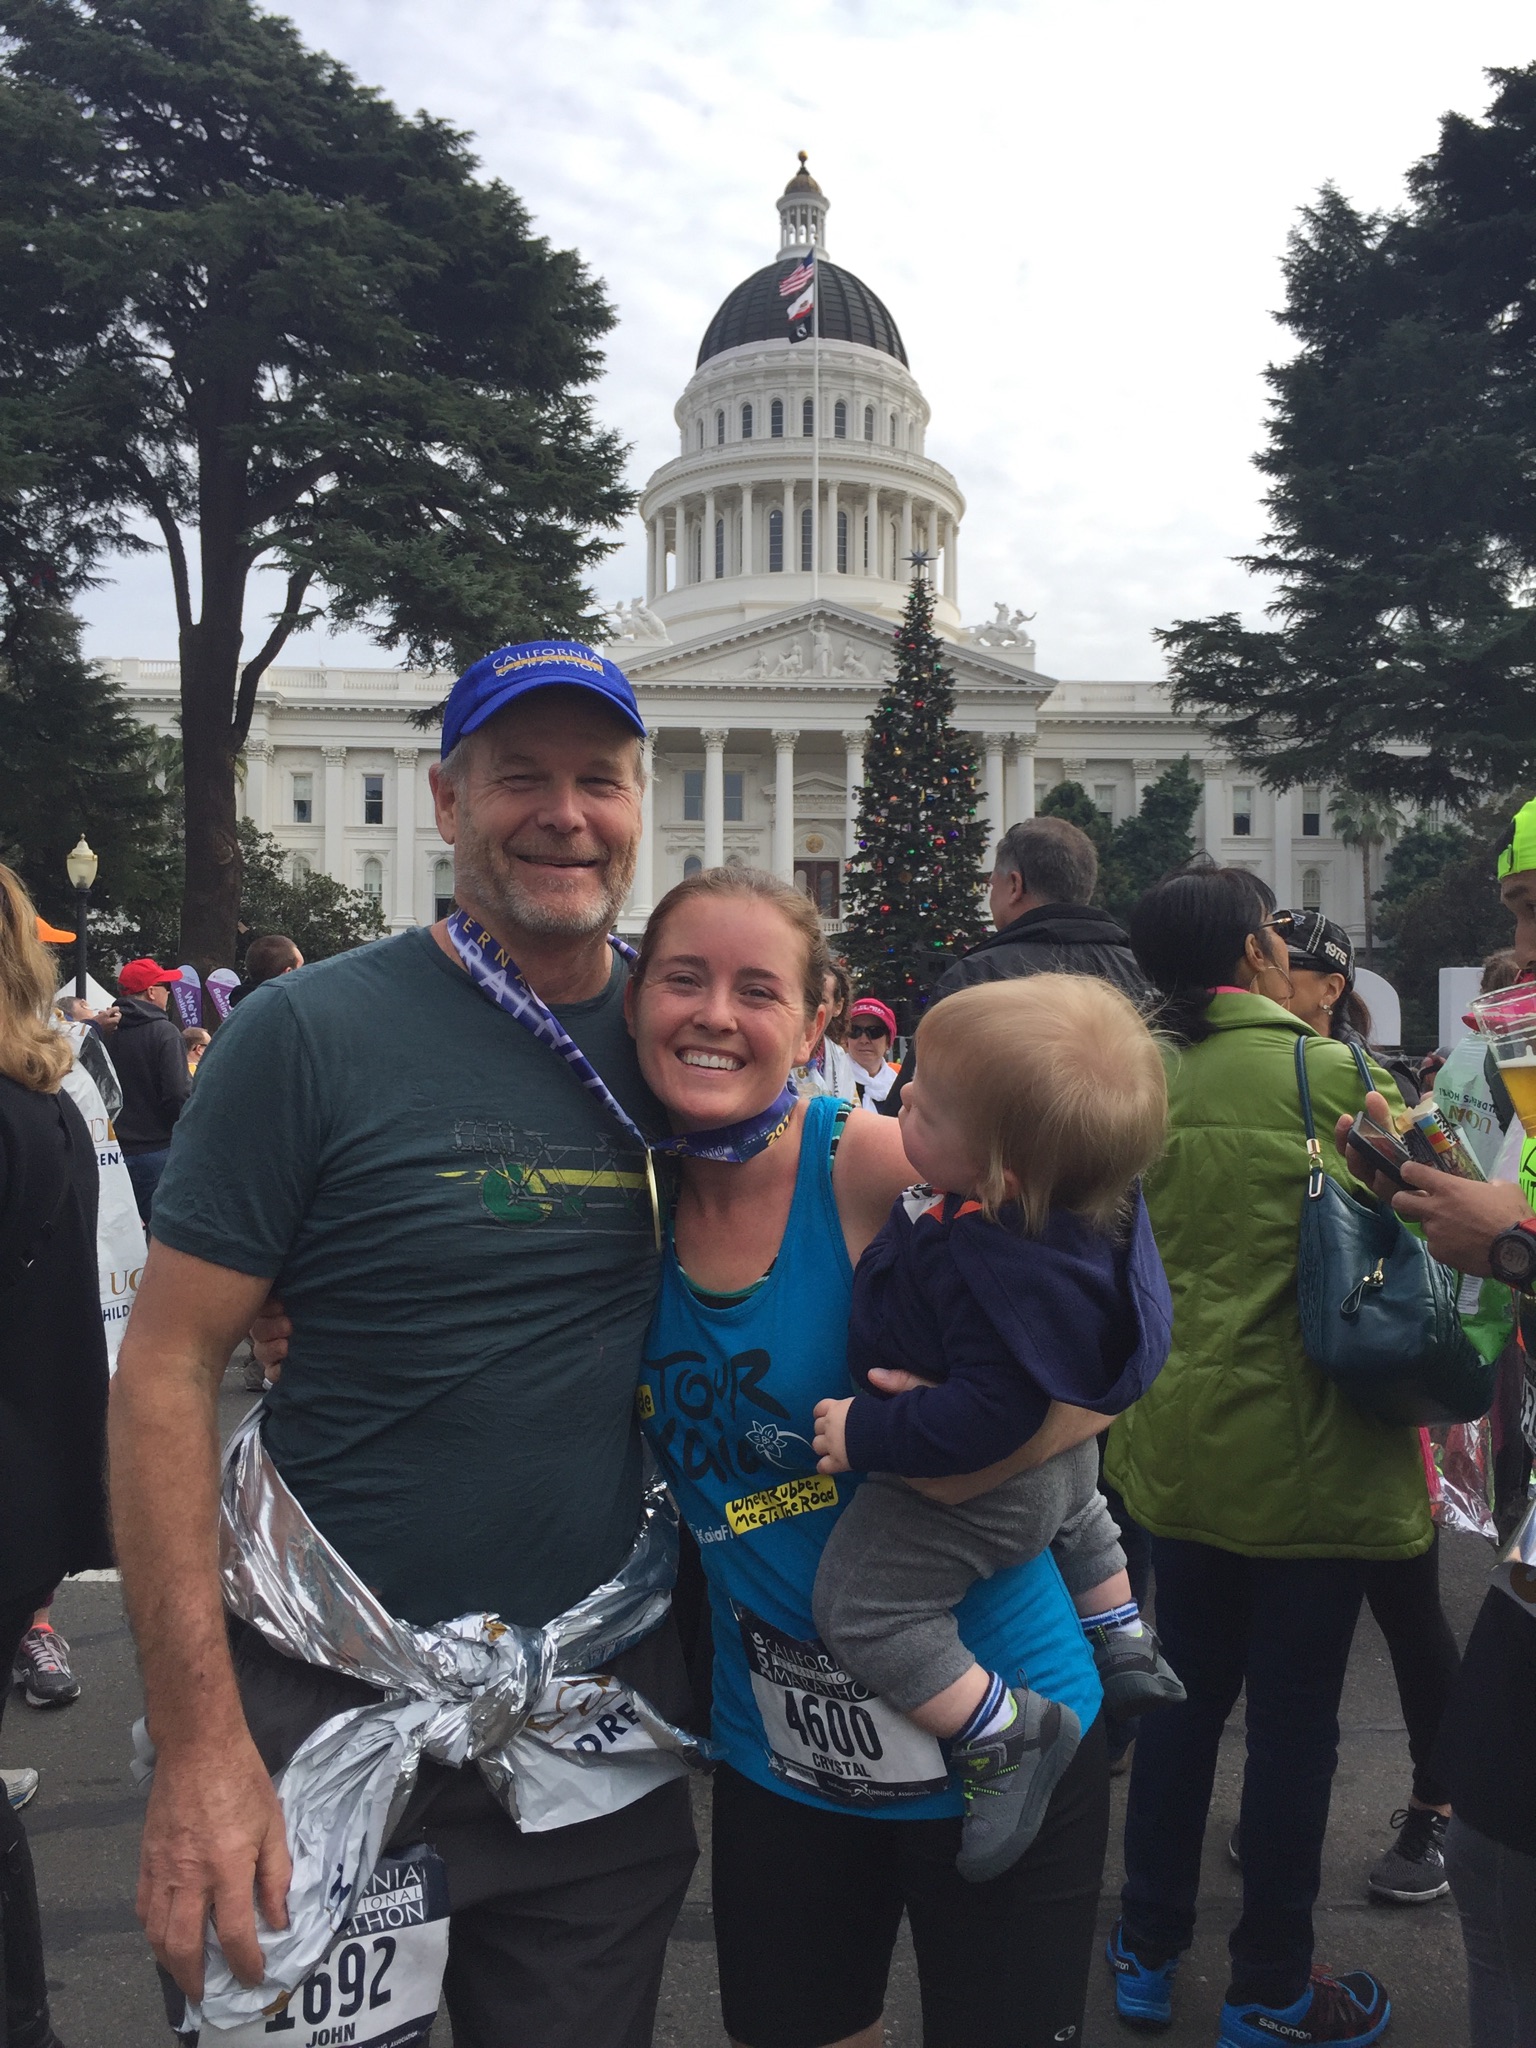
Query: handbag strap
{"points": [[1315, 1175]]}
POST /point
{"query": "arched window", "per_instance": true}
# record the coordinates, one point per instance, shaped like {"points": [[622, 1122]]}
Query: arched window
{"points": [[301, 867], [806, 557], [719, 429], [869, 423], [893, 432], [840, 420], [692, 866], [775, 541], [776, 419], [442, 888], [746, 423], [719, 547], [1311, 889], [842, 543], [373, 879], [807, 417]]}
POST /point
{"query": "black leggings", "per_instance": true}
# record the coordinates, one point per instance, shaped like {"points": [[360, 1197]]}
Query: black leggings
{"points": [[1404, 1596], [24, 2016], [808, 1904]]}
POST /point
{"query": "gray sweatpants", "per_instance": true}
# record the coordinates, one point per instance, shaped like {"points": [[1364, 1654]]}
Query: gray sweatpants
{"points": [[897, 1564]]}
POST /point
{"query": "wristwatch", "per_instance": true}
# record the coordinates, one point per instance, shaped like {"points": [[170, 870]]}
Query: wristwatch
{"points": [[1512, 1255]]}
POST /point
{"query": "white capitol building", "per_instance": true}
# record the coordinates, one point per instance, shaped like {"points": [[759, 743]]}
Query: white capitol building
{"points": [[776, 569]]}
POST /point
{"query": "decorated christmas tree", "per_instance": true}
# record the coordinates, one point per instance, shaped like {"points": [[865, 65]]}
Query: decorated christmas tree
{"points": [[912, 896]]}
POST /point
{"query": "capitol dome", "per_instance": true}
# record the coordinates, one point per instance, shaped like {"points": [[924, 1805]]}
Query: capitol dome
{"points": [[848, 311]]}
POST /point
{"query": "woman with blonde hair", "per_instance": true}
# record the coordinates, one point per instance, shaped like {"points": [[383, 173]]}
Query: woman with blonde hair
{"points": [[53, 1376]]}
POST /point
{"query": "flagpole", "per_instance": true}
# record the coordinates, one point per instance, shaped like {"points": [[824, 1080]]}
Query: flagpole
{"points": [[815, 421]]}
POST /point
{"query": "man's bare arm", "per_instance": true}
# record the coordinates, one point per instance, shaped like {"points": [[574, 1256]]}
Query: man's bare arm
{"points": [[1063, 1429], [214, 1830]]}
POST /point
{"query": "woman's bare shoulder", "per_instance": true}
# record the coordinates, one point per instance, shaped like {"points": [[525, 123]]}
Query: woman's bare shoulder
{"points": [[870, 1171]]}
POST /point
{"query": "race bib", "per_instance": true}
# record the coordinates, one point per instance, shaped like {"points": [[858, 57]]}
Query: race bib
{"points": [[825, 1732], [378, 1986]]}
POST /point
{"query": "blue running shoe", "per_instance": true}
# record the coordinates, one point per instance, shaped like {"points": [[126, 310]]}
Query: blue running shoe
{"points": [[1349, 2008], [1143, 1996]]}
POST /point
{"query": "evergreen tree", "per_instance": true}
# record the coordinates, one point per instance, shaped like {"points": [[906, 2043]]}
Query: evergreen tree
{"points": [[1446, 913], [250, 306], [1150, 845], [913, 891], [1071, 801], [73, 760]]}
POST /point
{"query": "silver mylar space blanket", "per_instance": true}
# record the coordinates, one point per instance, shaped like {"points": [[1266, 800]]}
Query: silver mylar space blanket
{"points": [[555, 1743]]}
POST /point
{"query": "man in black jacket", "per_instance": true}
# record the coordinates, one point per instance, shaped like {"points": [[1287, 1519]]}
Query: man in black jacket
{"points": [[151, 1064]]}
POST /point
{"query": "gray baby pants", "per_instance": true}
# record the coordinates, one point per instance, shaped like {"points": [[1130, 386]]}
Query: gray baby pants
{"points": [[897, 1564]]}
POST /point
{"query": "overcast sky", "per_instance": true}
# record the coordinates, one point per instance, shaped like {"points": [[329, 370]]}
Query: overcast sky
{"points": [[1075, 210]]}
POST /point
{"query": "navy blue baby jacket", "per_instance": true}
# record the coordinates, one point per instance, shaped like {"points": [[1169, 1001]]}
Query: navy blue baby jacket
{"points": [[1008, 1323]]}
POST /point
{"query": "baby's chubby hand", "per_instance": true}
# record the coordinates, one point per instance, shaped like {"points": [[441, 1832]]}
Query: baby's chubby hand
{"points": [[830, 1441]]}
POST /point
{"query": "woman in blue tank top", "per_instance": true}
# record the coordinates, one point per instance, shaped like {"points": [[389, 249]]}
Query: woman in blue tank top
{"points": [[832, 1813]]}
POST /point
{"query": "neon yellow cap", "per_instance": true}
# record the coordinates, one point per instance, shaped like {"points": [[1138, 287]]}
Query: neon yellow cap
{"points": [[1520, 852]]}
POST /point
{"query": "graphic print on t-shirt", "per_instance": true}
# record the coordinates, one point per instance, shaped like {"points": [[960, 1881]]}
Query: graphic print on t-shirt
{"points": [[722, 1422], [526, 1178]]}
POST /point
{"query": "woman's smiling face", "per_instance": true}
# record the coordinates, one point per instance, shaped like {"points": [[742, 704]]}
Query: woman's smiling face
{"points": [[720, 1018]]}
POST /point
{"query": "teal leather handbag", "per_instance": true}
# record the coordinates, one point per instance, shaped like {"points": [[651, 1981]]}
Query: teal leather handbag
{"points": [[1378, 1314]]}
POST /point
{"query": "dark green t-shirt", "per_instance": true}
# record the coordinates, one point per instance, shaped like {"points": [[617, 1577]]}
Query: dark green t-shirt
{"points": [[462, 1236]]}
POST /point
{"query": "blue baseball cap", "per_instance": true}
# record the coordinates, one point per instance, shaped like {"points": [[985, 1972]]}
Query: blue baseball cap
{"points": [[499, 679]]}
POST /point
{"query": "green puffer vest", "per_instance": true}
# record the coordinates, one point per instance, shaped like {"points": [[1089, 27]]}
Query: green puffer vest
{"points": [[1240, 1442]]}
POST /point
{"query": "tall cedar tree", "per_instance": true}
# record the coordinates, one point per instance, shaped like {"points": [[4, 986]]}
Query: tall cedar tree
{"points": [[249, 304], [1140, 849], [912, 896], [1402, 459]]}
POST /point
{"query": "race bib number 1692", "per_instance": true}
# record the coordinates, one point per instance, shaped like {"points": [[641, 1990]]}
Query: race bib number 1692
{"points": [[378, 1986]]}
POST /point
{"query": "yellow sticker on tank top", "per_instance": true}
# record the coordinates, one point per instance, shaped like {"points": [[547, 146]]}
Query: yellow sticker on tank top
{"points": [[779, 1503], [645, 1402]]}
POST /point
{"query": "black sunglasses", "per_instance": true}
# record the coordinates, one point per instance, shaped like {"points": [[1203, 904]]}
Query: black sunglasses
{"points": [[868, 1031]]}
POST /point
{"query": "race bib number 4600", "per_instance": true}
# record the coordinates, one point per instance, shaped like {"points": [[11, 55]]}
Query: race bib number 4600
{"points": [[825, 1732], [378, 1986]]}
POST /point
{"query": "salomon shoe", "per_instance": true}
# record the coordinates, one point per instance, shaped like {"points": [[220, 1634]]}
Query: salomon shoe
{"points": [[1350, 2008], [1143, 1995], [20, 1785], [1413, 1870], [1008, 1779], [42, 1668], [1135, 1675]]}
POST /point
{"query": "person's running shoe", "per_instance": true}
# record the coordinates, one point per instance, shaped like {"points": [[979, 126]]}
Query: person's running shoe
{"points": [[1143, 1996], [1134, 1673], [20, 1785], [42, 1668], [1008, 1779], [1354, 2007], [1413, 1870]]}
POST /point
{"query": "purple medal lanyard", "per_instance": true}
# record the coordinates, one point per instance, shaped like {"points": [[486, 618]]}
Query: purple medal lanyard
{"points": [[496, 974]]}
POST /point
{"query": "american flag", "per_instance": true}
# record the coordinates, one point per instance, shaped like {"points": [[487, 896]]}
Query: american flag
{"points": [[797, 280]]}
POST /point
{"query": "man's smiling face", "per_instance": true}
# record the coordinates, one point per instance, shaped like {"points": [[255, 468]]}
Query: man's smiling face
{"points": [[542, 809]]}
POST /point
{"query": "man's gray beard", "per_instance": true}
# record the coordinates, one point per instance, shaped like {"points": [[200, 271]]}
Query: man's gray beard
{"points": [[481, 870]]}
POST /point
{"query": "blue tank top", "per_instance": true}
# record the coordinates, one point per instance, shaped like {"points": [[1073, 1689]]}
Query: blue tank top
{"points": [[727, 1397]]}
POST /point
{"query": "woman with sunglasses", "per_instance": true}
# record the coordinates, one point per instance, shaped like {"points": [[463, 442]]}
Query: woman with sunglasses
{"points": [[871, 1034], [1267, 1495]]}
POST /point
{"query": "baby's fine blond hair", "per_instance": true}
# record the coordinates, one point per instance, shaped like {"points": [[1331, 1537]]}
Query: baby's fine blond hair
{"points": [[1057, 1081]]}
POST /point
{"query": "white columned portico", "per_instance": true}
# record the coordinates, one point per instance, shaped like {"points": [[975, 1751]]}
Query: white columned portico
{"points": [[1143, 775], [900, 567], [1285, 831], [405, 836], [748, 538], [869, 540], [335, 759], [1021, 762], [642, 891], [714, 797], [952, 559], [652, 554], [1215, 824], [784, 805], [707, 552], [829, 529], [853, 778], [994, 790], [259, 756]]}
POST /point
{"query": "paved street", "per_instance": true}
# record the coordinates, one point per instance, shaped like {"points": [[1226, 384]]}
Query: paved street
{"points": [[84, 1828]]}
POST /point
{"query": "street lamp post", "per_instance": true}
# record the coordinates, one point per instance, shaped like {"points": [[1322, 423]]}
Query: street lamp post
{"points": [[80, 866]]}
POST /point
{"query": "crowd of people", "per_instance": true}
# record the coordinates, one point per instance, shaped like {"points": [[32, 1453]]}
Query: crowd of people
{"points": [[953, 1384]]}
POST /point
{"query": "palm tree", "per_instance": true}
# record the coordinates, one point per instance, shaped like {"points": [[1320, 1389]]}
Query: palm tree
{"points": [[1366, 822]]}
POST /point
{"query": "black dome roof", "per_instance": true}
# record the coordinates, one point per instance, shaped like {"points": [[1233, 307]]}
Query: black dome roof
{"points": [[849, 311]]}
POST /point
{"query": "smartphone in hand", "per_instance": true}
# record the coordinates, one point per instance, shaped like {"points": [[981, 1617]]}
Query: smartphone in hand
{"points": [[1377, 1150]]}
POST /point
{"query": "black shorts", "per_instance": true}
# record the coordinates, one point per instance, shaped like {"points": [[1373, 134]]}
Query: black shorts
{"points": [[808, 1904]]}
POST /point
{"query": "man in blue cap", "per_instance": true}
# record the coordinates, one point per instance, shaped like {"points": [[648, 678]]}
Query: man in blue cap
{"points": [[461, 1230]]}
